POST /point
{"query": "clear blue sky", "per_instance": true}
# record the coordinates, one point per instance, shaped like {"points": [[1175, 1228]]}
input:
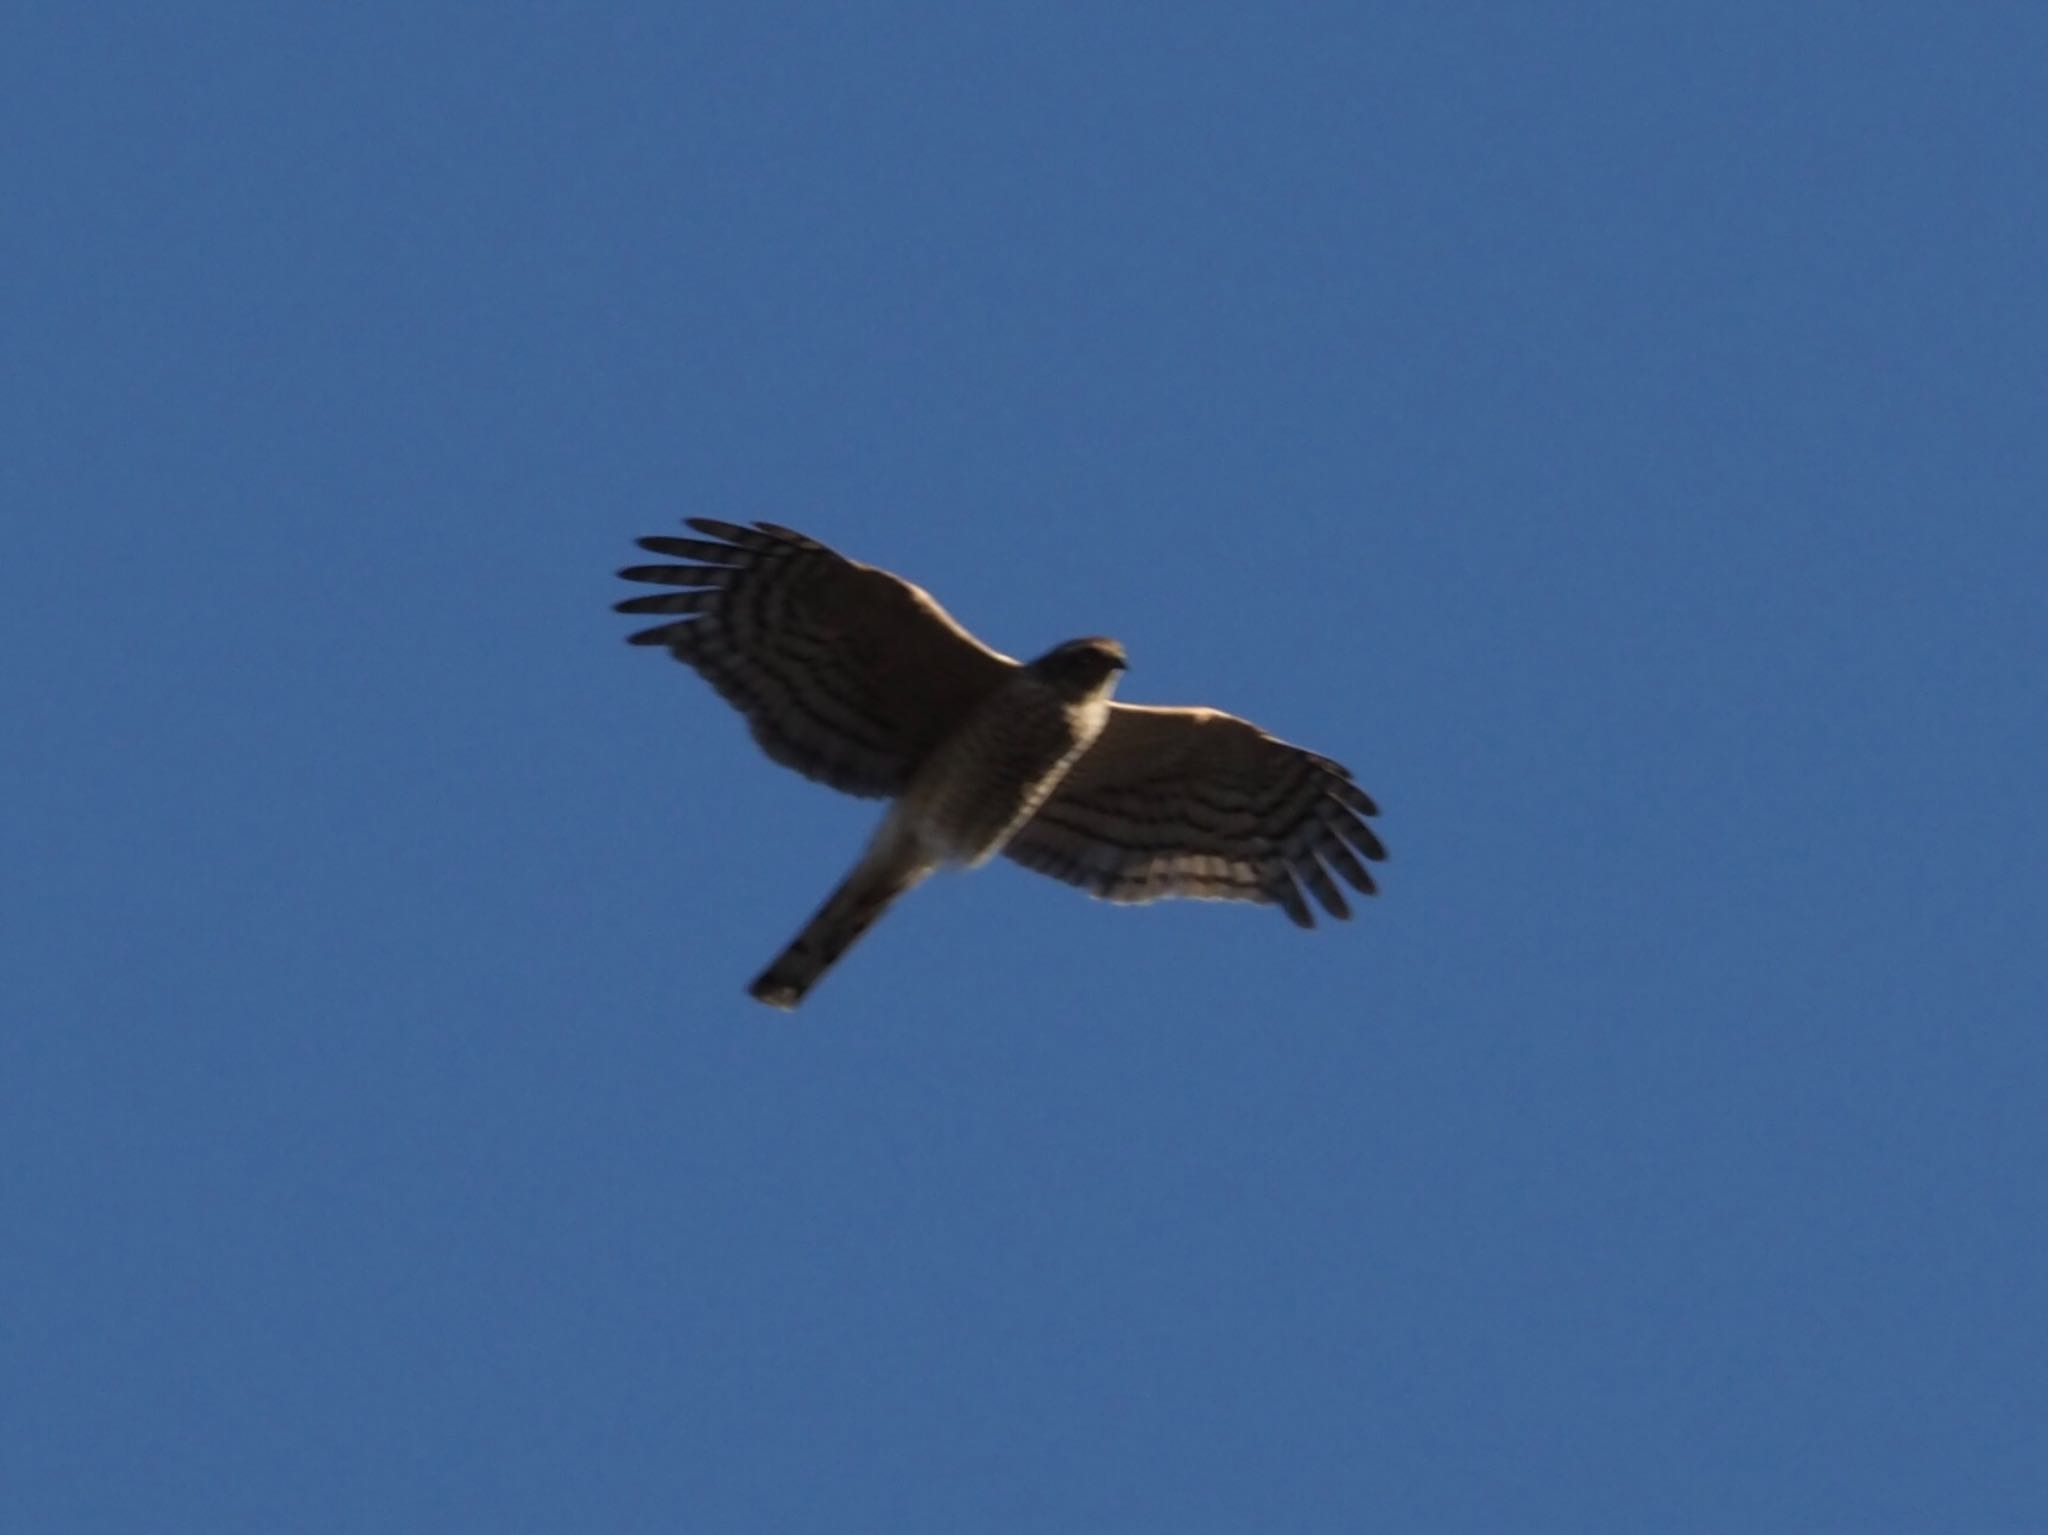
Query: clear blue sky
{"points": [[1616, 431]]}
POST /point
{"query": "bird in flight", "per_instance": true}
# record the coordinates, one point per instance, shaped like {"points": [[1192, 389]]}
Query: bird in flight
{"points": [[858, 679]]}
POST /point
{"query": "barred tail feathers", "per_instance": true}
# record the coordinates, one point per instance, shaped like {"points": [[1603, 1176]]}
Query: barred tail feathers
{"points": [[875, 884]]}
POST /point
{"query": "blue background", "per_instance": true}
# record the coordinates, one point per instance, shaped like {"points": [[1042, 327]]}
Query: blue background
{"points": [[1615, 430]]}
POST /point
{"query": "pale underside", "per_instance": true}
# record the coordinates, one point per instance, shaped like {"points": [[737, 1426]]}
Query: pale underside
{"points": [[853, 676]]}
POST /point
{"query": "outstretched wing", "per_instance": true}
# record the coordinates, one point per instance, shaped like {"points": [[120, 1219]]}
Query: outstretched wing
{"points": [[844, 672], [1195, 802]]}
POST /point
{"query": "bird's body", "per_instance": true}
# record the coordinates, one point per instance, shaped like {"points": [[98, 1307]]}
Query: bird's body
{"points": [[982, 782], [856, 677], [989, 776]]}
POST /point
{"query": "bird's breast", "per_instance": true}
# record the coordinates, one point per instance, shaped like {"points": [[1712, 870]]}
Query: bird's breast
{"points": [[985, 780]]}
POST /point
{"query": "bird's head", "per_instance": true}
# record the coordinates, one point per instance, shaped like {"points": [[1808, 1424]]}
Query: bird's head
{"points": [[1084, 668]]}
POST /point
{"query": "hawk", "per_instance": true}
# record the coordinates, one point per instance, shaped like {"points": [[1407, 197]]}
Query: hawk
{"points": [[858, 679]]}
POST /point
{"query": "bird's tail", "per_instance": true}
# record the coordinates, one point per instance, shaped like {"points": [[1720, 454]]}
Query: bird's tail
{"points": [[849, 911]]}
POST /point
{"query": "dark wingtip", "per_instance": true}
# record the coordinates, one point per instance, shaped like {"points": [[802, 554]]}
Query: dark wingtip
{"points": [[665, 634], [1287, 895]]}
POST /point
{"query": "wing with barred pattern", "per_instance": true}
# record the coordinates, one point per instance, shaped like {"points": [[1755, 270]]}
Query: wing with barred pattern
{"points": [[1195, 802], [844, 672]]}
